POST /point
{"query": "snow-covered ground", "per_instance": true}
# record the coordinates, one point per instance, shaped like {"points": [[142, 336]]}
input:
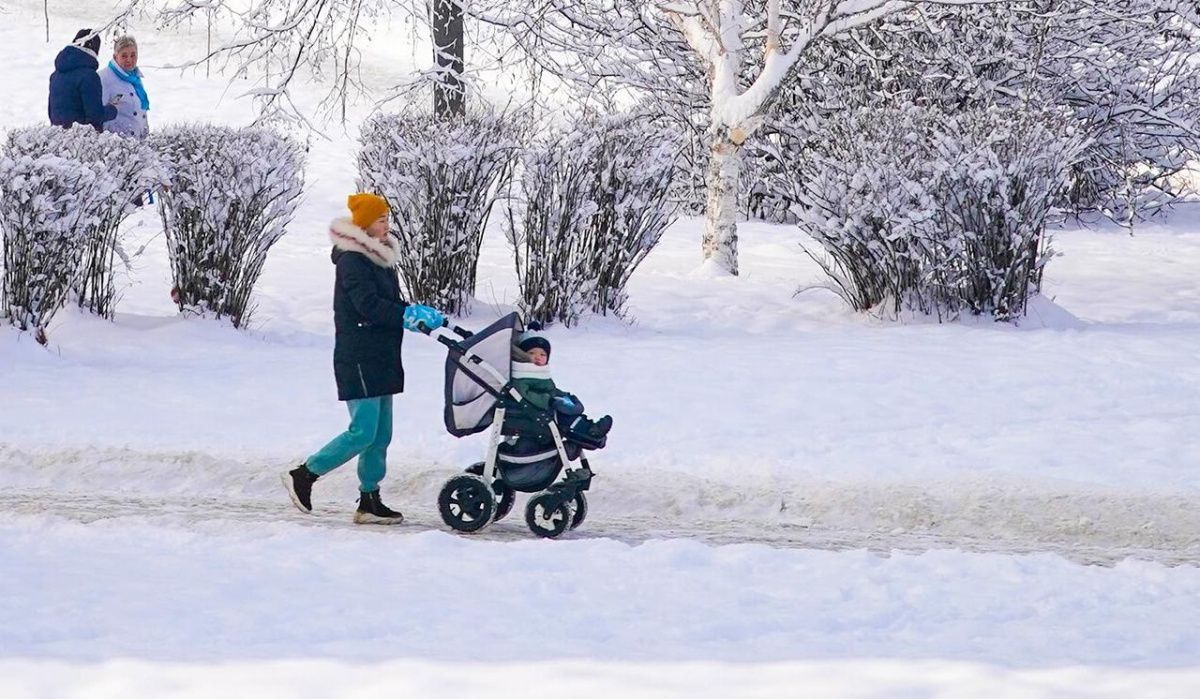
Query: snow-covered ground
{"points": [[796, 500]]}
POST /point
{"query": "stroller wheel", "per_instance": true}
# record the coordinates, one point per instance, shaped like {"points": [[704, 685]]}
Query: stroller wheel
{"points": [[545, 518], [467, 503], [580, 507], [506, 497]]}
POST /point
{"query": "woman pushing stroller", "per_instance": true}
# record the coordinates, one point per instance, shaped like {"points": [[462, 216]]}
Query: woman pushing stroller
{"points": [[369, 318]]}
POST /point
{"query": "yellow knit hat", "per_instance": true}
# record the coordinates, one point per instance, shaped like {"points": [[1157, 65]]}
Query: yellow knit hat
{"points": [[366, 209]]}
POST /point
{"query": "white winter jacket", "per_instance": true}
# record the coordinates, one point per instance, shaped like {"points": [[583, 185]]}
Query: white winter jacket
{"points": [[131, 118]]}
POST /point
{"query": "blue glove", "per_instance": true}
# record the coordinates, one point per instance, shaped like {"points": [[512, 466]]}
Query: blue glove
{"points": [[568, 405], [417, 316]]}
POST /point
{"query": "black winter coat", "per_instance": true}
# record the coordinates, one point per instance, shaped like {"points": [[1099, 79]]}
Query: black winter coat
{"points": [[76, 96], [368, 318]]}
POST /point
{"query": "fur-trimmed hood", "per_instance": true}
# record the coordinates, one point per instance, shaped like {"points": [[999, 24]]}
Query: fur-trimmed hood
{"points": [[350, 238]]}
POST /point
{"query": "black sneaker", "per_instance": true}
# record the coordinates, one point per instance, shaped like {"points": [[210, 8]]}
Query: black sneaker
{"points": [[371, 510], [299, 482]]}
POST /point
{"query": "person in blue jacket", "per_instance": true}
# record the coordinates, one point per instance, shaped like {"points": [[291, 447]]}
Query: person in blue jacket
{"points": [[369, 318], [76, 96]]}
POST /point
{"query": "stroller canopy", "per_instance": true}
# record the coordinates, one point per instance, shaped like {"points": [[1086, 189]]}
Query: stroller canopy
{"points": [[477, 371]]}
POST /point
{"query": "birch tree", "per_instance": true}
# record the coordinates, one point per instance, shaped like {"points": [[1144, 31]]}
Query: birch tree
{"points": [[743, 51], [720, 33]]}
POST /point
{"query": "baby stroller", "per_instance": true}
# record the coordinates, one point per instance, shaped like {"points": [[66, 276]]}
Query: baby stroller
{"points": [[526, 450]]}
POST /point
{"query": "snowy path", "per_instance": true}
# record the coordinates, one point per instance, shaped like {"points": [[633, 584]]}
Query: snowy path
{"points": [[1091, 527]]}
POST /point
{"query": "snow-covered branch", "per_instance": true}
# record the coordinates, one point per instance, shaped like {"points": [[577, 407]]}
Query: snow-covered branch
{"points": [[274, 41]]}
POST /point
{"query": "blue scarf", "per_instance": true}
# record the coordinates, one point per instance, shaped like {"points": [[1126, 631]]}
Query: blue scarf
{"points": [[135, 79]]}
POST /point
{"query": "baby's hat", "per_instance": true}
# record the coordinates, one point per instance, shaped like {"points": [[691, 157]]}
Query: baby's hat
{"points": [[533, 338]]}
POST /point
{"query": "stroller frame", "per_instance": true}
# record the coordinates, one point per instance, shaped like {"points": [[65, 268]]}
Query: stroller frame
{"points": [[557, 506]]}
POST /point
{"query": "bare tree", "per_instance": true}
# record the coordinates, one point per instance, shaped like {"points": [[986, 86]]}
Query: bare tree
{"points": [[274, 41]]}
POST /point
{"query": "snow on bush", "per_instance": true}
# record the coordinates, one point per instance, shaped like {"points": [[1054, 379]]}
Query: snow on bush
{"points": [[1126, 71], [592, 204], [63, 194], [125, 169], [1132, 80], [940, 214], [44, 205], [231, 195], [688, 187], [441, 179]]}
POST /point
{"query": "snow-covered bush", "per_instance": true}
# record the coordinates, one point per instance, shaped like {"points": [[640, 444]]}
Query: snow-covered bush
{"points": [[940, 214], [231, 195], [592, 204], [1133, 83], [547, 218], [688, 186], [441, 179], [1126, 71], [125, 169], [45, 212]]}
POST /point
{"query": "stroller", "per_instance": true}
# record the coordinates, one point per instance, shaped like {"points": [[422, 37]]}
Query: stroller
{"points": [[526, 449]]}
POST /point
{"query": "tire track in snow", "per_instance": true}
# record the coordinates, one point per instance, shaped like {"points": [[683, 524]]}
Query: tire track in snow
{"points": [[187, 511]]}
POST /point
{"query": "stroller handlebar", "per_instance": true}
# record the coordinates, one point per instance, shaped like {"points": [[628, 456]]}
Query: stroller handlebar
{"points": [[461, 332], [443, 335]]}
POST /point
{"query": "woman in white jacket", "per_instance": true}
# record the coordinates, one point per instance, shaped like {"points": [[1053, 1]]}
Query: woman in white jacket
{"points": [[123, 89]]}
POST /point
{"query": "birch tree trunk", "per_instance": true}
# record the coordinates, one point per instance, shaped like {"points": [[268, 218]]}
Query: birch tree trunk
{"points": [[720, 211]]}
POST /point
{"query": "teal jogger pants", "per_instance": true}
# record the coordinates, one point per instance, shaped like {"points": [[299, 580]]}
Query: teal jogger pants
{"points": [[368, 437]]}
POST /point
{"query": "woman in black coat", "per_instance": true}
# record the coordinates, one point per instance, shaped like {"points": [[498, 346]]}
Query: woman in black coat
{"points": [[369, 321]]}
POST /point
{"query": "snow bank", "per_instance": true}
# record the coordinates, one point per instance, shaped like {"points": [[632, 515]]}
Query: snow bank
{"points": [[220, 591], [296, 679]]}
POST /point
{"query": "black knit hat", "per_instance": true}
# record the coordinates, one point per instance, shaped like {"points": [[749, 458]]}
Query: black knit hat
{"points": [[530, 340], [92, 43]]}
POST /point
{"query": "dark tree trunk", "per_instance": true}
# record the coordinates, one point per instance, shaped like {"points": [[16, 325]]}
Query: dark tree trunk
{"points": [[448, 45]]}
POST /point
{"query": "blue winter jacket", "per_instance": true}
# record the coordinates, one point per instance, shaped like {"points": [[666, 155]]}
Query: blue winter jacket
{"points": [[75, 93]]}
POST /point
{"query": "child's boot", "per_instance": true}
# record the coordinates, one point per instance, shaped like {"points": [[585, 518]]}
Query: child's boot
{"points": [[602, 426]]}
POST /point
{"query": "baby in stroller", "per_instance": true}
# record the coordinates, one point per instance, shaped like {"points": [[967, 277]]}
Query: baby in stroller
{"points": [[531, 377]]}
